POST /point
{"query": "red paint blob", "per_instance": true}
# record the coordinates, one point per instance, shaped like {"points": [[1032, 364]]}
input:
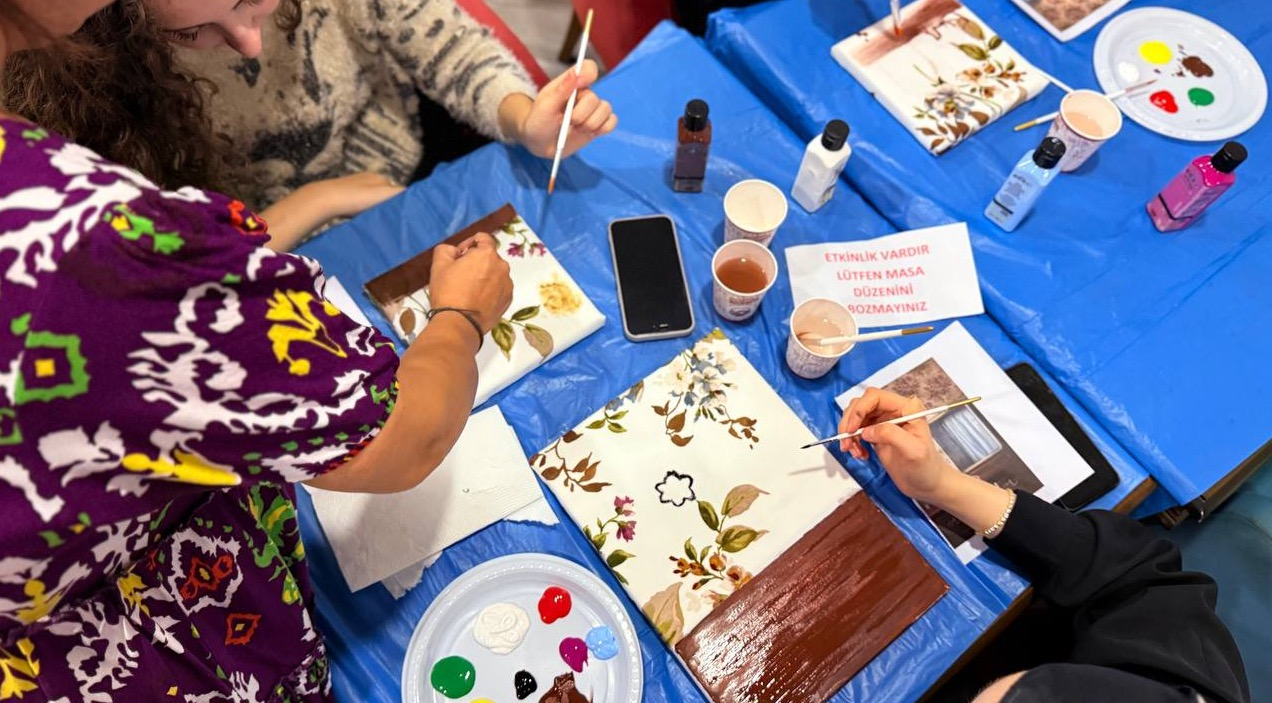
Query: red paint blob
{"points": [[1164, 101], [554, 605]]}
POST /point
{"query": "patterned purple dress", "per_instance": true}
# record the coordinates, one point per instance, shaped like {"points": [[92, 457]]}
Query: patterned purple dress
{"points": [[166, 380]]}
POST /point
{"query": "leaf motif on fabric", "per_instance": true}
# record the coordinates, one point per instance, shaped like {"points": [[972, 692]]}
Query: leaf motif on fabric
{"points": [[969, 27], [739, 499], [738, 537], [664, 611], [504, 338], [539, 339]]}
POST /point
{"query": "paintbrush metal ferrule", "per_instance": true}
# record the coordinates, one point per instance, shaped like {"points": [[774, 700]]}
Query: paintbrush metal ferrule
{"points": [[917, 330]]}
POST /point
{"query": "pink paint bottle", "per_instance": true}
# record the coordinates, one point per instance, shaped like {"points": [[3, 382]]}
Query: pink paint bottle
{"points": [[1187, 195]]}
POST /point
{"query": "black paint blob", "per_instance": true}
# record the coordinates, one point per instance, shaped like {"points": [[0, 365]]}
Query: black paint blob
{"points": [[525, 684]]}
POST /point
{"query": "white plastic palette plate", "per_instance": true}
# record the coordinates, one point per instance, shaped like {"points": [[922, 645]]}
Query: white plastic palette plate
{"points": [[447, 629], [1240, 91]]}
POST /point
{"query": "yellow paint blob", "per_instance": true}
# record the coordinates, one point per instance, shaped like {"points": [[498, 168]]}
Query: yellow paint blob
{"points": [[1156, 52], [483, 700]]}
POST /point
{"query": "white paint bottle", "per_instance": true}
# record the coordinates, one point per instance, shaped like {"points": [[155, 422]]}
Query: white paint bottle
{"points": [[824, 160]]}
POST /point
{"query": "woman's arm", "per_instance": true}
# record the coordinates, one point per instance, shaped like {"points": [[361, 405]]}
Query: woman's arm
{"points": [[1133, 608], [294, 218], [437, 379]]}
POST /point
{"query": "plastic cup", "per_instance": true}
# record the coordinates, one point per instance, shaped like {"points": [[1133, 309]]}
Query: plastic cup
{"points": [[733, 305], [754, 209], [824, 318], [1087, 119]]}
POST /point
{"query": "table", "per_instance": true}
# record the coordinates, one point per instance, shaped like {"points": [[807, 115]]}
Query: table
{"points": [[621, 176], [1140, 326]]}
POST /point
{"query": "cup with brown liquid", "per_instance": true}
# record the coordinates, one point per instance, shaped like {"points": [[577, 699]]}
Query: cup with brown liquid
{"points": [[1086, 120], [813, 320], [743, 270]]}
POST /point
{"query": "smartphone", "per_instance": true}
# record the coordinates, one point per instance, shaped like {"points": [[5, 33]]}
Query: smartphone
{"points": [[653, 296]]}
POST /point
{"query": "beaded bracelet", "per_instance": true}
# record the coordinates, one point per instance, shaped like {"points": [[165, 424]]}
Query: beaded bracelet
{"points": [[468, 315], [993, 530]]}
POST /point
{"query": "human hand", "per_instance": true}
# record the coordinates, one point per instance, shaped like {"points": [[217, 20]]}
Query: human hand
{"points": [[349, 195], [906, 451], [472, 276], [592, 117]]}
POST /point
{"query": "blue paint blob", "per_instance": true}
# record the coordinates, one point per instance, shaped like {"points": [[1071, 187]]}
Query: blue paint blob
{"points": [[602, 642]]}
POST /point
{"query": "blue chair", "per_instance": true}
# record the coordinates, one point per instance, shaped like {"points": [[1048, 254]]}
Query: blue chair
{"points": [[1234, 545]]}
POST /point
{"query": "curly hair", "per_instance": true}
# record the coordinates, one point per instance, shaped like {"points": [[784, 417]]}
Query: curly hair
{"points": [[115, 88]]}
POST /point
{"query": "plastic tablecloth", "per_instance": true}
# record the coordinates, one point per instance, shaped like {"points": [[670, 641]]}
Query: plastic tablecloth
{"points": [[621, 176], [1142, 327]]}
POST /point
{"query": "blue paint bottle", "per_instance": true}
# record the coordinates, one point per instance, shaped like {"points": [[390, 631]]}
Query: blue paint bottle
{"points": [[1033, 172]]}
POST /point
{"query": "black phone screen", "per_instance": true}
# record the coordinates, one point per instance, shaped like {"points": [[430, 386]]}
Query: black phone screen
{"points": [[651, 279]]}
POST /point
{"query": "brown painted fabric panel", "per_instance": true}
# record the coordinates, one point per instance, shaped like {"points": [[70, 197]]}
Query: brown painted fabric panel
{"points": [[810, 621], [413, 274]]}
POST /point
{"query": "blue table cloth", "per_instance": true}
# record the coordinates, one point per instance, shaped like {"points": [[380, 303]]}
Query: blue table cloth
{"points": [[621, 176], [1142, 327]]}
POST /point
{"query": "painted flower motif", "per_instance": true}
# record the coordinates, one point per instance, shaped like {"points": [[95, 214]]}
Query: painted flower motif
{"points": [[517, 249], [949, 101], [738, 576], [627, 530], [675, 489], [537, 249], [621, 505], [558, 297]]}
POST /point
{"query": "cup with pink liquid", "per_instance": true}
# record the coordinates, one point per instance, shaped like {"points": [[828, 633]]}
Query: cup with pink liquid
{"points": [[1086, 120], [813, 320]]}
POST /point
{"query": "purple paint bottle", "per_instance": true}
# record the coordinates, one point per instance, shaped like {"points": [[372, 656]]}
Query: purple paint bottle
{"points": [[1187, 195]]}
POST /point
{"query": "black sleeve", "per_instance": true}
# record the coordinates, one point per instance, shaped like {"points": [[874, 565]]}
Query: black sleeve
{"points": [[1133, 607]]}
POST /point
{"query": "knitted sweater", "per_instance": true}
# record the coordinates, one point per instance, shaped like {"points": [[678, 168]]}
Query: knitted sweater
{"points": [[339, 95]]}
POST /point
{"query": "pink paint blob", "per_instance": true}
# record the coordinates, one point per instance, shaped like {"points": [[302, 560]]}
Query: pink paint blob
{"points": [[574, 653], [1164, 101], [554, 605]]}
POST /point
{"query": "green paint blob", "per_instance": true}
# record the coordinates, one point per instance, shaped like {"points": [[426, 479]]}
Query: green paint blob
{"points": [[454, 677], [1200, 97]]}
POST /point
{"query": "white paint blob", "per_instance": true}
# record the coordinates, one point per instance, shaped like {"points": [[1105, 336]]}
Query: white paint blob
{"points": [[501, 627], [1128, 72]]}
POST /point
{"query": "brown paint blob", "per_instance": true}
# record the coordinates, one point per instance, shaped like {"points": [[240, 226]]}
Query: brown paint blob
{"points": [[1197, 67]]}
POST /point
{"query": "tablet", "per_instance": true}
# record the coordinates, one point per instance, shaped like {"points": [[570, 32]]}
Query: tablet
{"points": [[1104, 478]]}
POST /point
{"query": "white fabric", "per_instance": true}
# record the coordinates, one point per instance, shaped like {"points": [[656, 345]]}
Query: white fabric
{"points": [[482, 481], [950, 77], [546, 300], [704, 439]]}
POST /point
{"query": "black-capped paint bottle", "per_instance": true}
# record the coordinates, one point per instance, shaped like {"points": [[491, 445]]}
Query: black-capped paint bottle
{"points": [[1034, 172], [693, 142], [824, 160]]}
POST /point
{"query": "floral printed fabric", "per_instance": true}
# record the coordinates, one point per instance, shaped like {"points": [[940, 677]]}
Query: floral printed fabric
{"points": [[165, 379], [693, 481], [548, 314], [946, 77]]}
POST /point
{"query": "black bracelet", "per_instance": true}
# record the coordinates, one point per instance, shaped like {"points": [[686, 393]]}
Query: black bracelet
{"points": [[468, 315]]}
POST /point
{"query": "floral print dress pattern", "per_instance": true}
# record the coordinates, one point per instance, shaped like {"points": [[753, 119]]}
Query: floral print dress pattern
{"points": [[166, 379]]}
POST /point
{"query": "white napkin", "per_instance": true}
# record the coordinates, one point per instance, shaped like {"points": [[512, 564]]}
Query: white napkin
{"points": [[339, 296], [483, 480]]}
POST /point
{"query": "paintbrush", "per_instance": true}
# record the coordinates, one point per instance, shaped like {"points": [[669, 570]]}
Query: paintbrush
{"points": [[895, 421], [813, 338], [896, 17], [569, 105], [1111, 96]]}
